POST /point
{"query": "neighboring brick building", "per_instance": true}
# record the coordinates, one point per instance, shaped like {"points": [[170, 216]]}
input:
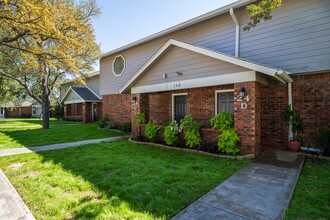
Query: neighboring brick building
{"points": [[204, 65], [24, 109], [82, 100]]}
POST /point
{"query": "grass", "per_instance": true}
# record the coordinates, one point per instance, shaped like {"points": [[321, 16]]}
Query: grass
{"points": [[17, 133], [114, 180], [311, 198]]}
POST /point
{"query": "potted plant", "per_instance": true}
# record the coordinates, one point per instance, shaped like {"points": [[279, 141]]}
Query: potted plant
{"points": [[297, 125]]}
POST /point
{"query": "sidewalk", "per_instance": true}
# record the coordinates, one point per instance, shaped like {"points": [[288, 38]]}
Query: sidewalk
{"points": [[261, 190], [27, 150], [11, 204]]}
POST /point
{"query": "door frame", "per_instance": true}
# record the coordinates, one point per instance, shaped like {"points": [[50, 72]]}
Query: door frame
{"points": [[93, 109], [177, 94], [216, 98]]}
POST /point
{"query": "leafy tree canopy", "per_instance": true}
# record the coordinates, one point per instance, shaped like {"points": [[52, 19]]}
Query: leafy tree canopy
{"points": [[260, 11], [43, 41]]}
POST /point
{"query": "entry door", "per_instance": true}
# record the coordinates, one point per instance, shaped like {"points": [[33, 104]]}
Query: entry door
{"points": [[94, 116], [2, 112], [226, 102], [180, 107]]}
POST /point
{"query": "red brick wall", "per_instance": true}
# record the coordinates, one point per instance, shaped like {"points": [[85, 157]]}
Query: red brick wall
{"points": [[201, 104], [16, 112], [247, 121], [274, 100], [118, 107], [311, 98]]}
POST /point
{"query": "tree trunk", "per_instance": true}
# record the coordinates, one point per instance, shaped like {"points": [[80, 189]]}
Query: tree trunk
{"points": [[45, 112], [45, 105]]}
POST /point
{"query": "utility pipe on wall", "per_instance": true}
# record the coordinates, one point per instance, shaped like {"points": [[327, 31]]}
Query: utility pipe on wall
{"points": [[232, 14], [290, 103]]}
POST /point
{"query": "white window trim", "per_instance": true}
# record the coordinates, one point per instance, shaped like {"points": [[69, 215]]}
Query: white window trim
{"points": [[216, 98], [113, 63], [177, 94]]}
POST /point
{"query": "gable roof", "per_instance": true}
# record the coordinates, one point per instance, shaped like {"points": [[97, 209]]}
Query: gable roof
{"points": [[280, 75], [84, 93], [180, 26]]}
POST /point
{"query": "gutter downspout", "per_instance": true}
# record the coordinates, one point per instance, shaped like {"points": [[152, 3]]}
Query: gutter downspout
{"points": [[290, 103], [232, 14]]}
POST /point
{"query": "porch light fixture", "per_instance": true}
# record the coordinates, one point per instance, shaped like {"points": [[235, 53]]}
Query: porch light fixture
{"points": [[242, 92], [134, 99]]}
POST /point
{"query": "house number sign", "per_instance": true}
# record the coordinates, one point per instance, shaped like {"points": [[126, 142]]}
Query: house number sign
{"points": [[244, 101]]}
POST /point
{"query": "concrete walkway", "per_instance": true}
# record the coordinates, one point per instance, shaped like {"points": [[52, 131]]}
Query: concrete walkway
{"points": [[12, 206], [261, 190], [27, 150]]}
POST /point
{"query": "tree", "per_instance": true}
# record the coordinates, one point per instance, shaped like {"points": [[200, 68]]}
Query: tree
{"points": [[261, 11], [44, 41]]}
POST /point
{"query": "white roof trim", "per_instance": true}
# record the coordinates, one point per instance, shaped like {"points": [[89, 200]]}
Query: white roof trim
{"points": [[66, 94], [278, 74], [185, 24]]}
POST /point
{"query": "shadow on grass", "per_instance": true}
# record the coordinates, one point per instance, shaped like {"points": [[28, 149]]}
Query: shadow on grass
{"points": [[30, 137], [140, 182]]}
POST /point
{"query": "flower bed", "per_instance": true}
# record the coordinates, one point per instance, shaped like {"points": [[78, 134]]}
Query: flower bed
{"points": [[244, 157]]}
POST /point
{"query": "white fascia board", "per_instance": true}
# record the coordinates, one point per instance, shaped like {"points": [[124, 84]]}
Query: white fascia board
{"points": [[200, 50], [74, 102], [180, 26], [196, 83]]}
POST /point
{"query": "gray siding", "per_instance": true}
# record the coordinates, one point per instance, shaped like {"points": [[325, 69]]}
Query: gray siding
{"points": [[296, 40], [72, 97], [191, 64], [214, 34]]}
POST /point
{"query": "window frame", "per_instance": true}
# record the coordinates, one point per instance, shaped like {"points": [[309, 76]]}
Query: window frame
{"points": [[178, 94], [113, 65], [216, 98]]}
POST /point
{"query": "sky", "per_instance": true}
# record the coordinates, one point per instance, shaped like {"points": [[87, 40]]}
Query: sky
{"points": [[125, 21]]}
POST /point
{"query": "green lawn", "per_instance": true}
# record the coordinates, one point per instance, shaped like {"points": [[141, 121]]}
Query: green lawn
{"points": [[114, 180], [16, 133], [311, 198]]}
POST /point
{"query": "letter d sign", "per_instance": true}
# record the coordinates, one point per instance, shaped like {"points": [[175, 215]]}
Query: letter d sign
{"points": [[243, 105]]}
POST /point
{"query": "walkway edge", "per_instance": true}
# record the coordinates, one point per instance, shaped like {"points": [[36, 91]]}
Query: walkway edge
{"points": [[16, 151], [14, 206]]}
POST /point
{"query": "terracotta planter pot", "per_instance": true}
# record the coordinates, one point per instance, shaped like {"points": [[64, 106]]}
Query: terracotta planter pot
{"points": [[294, 146]]}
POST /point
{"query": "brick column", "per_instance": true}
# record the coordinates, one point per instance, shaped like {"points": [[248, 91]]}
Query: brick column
{"points": [[141, 105], [247, 117]]}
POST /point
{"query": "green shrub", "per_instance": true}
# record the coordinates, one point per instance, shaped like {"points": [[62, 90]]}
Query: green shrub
{"points": [[222, 121], [171, 134], [228, 139], [227, 142], [106, 122], [191, 132], [151, 131], [140, 119], [58, 111], [126, 127]]}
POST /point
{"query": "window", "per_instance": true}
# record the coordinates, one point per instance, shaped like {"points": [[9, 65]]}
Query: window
{"points": [[224, 100], [179, 106], [118, 65], [34, 110]]}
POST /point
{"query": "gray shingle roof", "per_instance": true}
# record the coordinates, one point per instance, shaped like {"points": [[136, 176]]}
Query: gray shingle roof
{"points": [[85, 93]]}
